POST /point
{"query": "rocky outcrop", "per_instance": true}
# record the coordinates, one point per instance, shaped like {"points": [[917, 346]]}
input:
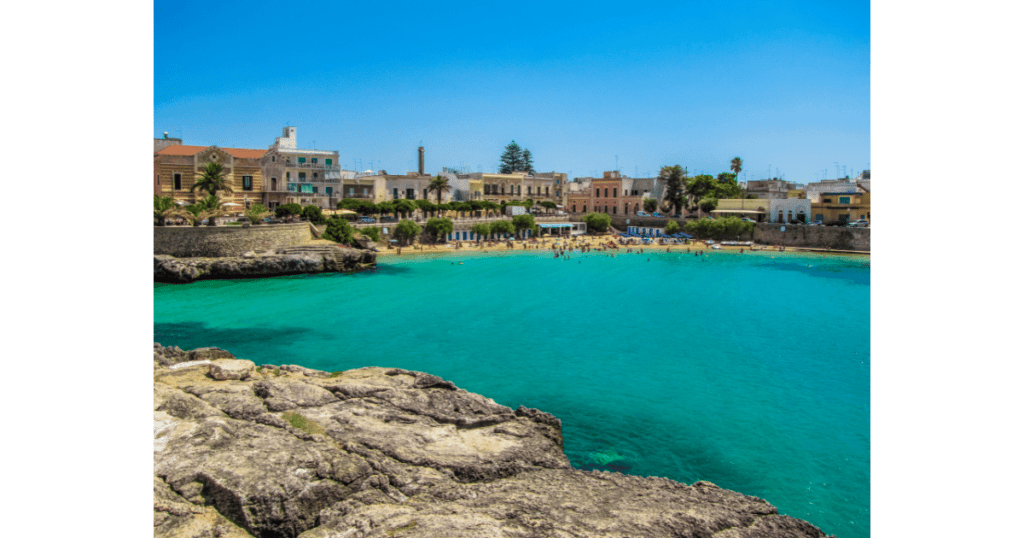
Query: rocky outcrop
{"points": [[377, 452], [286, 261]]}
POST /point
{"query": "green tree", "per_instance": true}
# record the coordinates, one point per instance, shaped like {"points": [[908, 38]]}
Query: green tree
{"points": [[212, 180], [736, 165], [404, 207], [284, 211], [597, 222], [313, 214], [339, 230], [438, 229], [481, 230], [406, 231], [512, 159], [650, 205], [502, 227], [439, 185], [708, 205], [672, 227], [256, 213], [674, 186], [700, 185], [527, 161], [386, 208], [549, 205], [522, 223]]}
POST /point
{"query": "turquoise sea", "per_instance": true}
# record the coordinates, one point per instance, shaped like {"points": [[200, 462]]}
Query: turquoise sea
{"points": [[747, 370]]}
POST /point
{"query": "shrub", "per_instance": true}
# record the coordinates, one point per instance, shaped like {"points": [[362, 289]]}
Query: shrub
{"points": [[438, 229], [406, 231], [717, 229], [650, 205], [312, 214], [597, 222], [372, 232], [337, 373], [672, 227], [338, 230], [287, 210], [302, 423]]}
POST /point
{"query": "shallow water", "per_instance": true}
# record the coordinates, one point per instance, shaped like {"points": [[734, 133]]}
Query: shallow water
{"points": [[750, 371]]}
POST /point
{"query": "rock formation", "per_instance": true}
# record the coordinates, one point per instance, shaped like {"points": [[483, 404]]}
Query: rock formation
{"points": [[376, 452], [286, 261]]}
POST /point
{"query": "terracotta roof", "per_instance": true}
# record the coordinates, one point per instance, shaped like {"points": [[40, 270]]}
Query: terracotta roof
{"points": [[192, 150]]}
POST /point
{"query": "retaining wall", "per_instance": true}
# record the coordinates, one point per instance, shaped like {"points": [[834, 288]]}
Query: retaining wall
{"points": [[220, 241], [834, 237]]}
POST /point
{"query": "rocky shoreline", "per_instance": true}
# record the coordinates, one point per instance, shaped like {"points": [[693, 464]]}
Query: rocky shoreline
{"points": [[286, 261], [286, 451]]}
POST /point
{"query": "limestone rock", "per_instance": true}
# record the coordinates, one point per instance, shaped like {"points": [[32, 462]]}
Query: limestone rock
{"points": [[209, 354], [231, 369], [378, 452], [296, 260]]}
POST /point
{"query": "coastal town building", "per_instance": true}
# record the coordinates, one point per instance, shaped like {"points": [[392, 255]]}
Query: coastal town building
{"points": [[516, 186], [789, 210], [769, 188], [814, 190], [282, 174], [613, 194], [752, 208], [842, 207]]}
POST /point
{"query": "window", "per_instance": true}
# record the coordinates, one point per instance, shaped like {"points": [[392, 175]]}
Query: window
{"points": [[330, 190], [844, 199], [315, 176], [314, 190], [177, 182], [395, 193], [329, 161], [529, 190], [827, 200], [487, 189], [273, 183], [246, 183], [502, 189], [351, 191], [615, 209], [302, 160], [615, 193], [313, 160], [287, 176], [273, 158], [819, 216], [519, 190], [546, 191], [606, 192], [584, 209], [424, 194], [573, 208], [302, 176]]}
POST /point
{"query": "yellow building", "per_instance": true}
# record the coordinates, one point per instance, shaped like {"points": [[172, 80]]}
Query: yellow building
{"points": [[177, 167], [842, 207], [753, 208]]}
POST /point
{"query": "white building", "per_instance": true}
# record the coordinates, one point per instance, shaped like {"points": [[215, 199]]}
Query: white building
{"points": [[785, 210]]}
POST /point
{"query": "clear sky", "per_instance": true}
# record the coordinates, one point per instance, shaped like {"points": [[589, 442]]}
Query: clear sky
{"points": [[784, 85]]}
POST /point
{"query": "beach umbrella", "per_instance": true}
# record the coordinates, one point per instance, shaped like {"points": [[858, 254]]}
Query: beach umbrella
{"points": [[231, 204]]}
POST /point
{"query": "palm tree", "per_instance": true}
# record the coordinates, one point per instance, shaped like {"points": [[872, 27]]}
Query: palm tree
{"points": [[736, 165], [439, 184], [206, 208], [212, 180], [164, 208]]}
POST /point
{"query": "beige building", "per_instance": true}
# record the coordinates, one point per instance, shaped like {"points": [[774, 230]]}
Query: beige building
{"points": [[279, 175]]}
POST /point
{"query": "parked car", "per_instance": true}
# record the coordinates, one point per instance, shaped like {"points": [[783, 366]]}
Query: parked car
{"points": [[859, 223], [388, 219], [748, 219], [368, 220], [656, 214], [815, 223], [642, 214]]}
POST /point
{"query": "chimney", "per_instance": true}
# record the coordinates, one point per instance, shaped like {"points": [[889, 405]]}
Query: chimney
{"points": [[421, 160]]}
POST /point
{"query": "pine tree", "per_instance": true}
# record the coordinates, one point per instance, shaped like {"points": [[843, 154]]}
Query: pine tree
{"points": [[527, 161], [512, 159]]}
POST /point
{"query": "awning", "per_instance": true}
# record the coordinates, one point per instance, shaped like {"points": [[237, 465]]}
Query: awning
{"points": [[737, 211], [556, 225]]}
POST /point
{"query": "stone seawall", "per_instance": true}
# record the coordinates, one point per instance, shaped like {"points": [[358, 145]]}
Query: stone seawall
{"points": [[225, 241], [833, 237]]}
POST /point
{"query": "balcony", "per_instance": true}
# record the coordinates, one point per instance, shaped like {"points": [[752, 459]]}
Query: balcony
{"points": [[317, 166], [358, 195]]}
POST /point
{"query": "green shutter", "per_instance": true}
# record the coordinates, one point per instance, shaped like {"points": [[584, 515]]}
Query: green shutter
{"points": [[330, 162], [302, 160]]}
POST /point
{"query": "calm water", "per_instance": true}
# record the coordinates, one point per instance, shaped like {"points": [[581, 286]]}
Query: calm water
{"points": [[750, 371]]}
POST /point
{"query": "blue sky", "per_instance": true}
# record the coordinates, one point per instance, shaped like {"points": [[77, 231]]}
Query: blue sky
{"points": [[780, 84]]}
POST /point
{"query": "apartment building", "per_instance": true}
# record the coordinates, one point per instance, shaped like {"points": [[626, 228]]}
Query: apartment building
{"points": [[613, 194]]}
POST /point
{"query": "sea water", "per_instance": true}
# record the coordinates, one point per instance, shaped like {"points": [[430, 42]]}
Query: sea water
{"points": [[747, 370]]}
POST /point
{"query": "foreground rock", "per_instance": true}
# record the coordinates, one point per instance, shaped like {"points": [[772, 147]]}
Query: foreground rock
{"points": [[288, 261], [385, 452]]}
